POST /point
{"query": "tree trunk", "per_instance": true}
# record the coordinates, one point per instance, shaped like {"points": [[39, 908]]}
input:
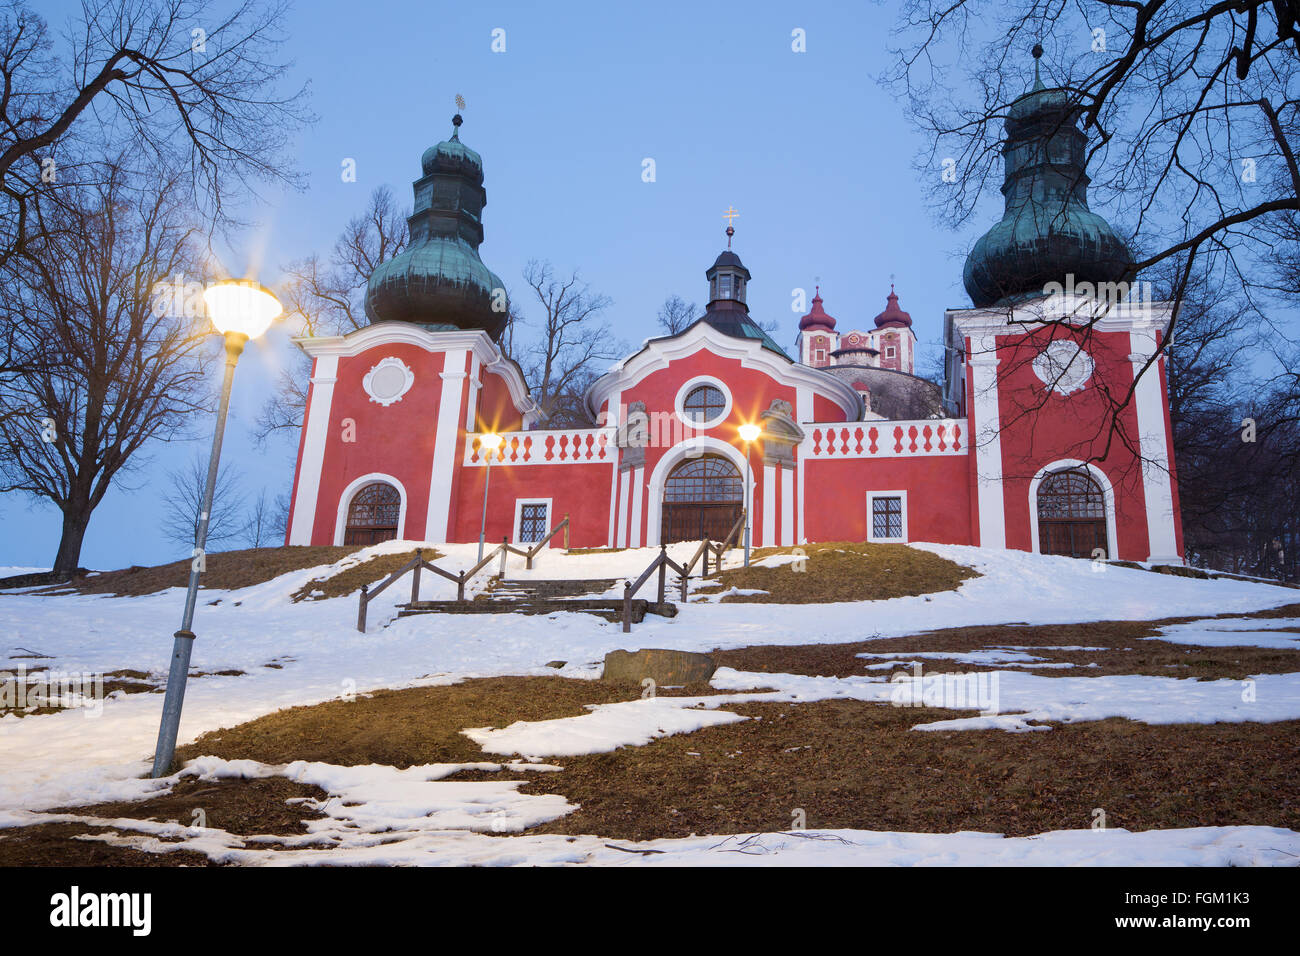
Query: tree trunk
{"points": [[76, 516]]}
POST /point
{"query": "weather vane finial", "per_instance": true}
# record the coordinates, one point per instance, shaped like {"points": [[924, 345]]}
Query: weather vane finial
{"points": [[730, 216], [457, 119]]}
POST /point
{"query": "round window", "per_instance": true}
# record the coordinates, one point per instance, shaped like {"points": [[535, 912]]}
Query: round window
{"points": [[704, 404]]}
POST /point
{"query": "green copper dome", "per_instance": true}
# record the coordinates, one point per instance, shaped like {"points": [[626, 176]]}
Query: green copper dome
{"points": [[1047, 230], [438, 281]]}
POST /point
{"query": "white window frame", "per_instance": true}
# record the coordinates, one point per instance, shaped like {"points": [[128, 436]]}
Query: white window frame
{"points": [[871, 513], [890, 351], [519, 516], [679, 404]]}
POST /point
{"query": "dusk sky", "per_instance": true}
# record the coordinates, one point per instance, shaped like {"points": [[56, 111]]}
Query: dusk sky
{"points": [[814, 154]]}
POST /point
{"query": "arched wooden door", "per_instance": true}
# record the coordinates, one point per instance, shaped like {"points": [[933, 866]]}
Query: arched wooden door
{"points": [[702, 499], [373, 514], [1071, 514]]}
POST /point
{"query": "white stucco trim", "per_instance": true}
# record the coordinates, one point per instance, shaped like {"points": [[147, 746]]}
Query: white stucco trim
{"points": [[612, 420], [691, 448], [475, 385], [519, 514], [1108, 492], [679, 403], [345, 500], [444, 446], [404, 333], [313, 449], [657, 354], [871, 524]]}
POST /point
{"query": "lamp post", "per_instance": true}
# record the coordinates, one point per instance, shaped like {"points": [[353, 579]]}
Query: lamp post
{"points": [[490, 442], [748, 433], [239, 310]]}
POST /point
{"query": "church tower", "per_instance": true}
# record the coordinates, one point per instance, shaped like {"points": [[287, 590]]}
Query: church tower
{"points": [[818, 340], [438, 281]]}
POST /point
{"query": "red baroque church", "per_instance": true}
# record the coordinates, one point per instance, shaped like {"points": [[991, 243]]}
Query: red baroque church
{"points": [[1018, 449]]}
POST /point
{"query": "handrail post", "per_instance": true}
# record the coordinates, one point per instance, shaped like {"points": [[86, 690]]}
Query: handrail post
{"points": [[361, 611], [704, 570], [663, 570], [685, 576], [504, 542], [415, 578], [566, 531], [460, 586], [627, 606]]}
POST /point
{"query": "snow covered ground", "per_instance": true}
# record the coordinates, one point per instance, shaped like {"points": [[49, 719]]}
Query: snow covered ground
{"points": [[74, 757]]}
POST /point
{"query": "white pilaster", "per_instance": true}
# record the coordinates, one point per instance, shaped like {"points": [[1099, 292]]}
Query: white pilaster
{"points": [[1153, 438], [624, 489], [444, 445], [787, 506], [313, 449], [638, 497], [988, 443], [769, 507]]}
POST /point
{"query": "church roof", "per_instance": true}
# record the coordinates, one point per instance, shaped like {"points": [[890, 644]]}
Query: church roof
{"points": [[438, 280], [1047, 230], [817, 317], [893, 316]]}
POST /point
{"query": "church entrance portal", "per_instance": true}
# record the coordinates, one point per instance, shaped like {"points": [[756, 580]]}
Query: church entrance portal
{"points": [[702, 499]]}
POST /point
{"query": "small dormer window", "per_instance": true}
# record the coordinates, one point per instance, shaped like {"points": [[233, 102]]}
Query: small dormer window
{"points": [[724, 287]]}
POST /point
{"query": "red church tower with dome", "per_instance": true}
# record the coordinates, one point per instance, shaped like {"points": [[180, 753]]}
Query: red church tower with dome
{"points": [[1009, 453]]}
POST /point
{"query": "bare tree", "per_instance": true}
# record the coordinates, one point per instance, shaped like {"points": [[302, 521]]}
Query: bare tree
{"points": [[109, 366], [182, 503], [259, 525], [189, 85], [676, 314], [571, 348], [328, 298], [1191, 109]]}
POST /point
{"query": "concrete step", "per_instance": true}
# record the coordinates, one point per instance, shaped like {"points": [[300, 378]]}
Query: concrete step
{"points": [[609, 610], [552, 588]]}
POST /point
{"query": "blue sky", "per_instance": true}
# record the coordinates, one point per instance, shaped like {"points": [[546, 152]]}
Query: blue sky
{"points": [[812, 152]]}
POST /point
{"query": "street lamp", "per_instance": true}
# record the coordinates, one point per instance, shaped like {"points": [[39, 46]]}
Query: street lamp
{"points": [[490, 442], [748, 433], [239, 310]]}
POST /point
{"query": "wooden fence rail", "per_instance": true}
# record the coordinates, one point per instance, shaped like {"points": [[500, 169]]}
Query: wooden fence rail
{"points": [[662, 563]]}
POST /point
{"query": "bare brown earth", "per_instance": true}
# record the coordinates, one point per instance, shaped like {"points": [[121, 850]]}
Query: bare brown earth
{"points": [[223, 570], [244, 807], [842, 571], [844, 763], [349, 580]]}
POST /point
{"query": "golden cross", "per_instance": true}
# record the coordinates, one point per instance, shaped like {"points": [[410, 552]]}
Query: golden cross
{"points": [[460, 102], [730, 214]]}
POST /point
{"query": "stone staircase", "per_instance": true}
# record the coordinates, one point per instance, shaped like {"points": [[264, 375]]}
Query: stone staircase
{"points": [[506, 596]]}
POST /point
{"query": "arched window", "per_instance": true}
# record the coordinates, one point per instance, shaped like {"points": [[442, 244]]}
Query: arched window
{"points": [[1071, 514], [373, 514], [703, 404], [702, 499]]}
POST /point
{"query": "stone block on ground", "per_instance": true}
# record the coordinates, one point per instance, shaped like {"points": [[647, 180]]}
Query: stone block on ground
{"points": [[664, 667]]}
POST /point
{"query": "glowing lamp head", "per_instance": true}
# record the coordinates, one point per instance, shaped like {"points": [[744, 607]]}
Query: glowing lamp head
{"points": [[240, 306], [490, 441], [750, 432]]}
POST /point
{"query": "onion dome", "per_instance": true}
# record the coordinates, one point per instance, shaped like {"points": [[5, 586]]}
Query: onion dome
{"points": [[1047, 230], [893, 316], [438, 281], [817, 318]]}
